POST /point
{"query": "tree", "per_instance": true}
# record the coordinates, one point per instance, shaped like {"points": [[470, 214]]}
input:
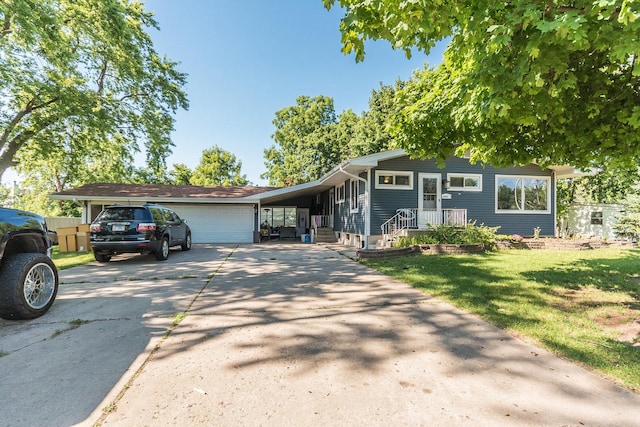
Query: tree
{"points": [[371, 130], [82, 76], [181, 174], [305, 146], [218, 167], [628, 223], [521, 81]]}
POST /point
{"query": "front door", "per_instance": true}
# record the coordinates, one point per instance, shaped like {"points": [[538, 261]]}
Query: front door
{"points": [[429, 199]]}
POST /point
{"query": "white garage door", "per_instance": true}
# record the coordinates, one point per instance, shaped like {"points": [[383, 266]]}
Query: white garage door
{"points": [[218, 223]]}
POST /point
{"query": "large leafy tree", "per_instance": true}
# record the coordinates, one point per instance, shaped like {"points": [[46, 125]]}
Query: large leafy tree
{"points": [[217, 167], [305, 142], [81, 78], [547, 81], [310, 140]]}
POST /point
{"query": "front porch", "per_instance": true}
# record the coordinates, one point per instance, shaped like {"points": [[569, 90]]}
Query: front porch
{"points": [[408, 220]]}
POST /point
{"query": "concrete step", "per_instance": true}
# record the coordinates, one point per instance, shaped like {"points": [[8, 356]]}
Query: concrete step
{"points": [[325, 235]]}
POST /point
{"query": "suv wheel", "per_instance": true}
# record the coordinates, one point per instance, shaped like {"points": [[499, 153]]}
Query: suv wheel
{"points": [[187, 243], [163, 253], [101, 257], [28, 286]]}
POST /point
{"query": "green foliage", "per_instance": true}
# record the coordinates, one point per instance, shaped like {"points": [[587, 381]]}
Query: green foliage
{"points": [[218, 167], [448, 234], [628, 223], [305, 144], [547, 82], [181, 174], [84, 89], [310, 140]]}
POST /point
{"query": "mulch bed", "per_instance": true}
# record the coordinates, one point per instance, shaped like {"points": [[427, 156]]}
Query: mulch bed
{"points": [[543, 243]]}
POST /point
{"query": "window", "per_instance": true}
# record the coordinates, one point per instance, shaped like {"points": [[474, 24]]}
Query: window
{"points": [[354, 190], [596, 218], [278, 216], [464, 182], [340, 193], [399, 180], [523, 194]]}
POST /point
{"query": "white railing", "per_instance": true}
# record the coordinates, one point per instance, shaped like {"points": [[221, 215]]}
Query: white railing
{"points": [[421, 219]]}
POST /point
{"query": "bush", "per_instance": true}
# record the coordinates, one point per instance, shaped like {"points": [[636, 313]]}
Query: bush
{"points": [[447, 234]]}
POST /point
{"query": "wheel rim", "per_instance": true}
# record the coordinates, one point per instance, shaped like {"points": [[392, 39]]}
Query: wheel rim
{"points": [[165, 248], [188, 240], [39, 286]]}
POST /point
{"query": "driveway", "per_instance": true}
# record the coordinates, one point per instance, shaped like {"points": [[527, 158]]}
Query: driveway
{"points": [[279, 335]]}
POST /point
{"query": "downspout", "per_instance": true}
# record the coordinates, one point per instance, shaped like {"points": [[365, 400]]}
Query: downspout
{"points": [[555, 204], [367, 219]]}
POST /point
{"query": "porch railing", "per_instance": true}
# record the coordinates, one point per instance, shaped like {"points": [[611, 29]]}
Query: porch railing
{"points": [[419, 219]]}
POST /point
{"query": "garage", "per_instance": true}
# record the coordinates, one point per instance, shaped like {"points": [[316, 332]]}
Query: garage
{"points": [[214, 214], [218, 223]]}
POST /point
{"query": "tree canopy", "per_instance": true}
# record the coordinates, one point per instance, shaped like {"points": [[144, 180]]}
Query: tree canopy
{"points": [[310, 139], [521, 81], [82, 84], [217, 167], [304, 142]]}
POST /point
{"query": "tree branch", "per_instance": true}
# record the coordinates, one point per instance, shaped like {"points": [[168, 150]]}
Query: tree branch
{"points": [[6, 27], [101, 77]]}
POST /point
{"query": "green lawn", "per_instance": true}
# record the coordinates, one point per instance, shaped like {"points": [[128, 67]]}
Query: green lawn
{"points": [[580, 305], [70, 259]]}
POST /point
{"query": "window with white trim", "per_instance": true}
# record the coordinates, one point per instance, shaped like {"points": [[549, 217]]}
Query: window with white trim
{"points": [[340, 193], [523, 194], [397, 180], [464, 182], [354, 190]]}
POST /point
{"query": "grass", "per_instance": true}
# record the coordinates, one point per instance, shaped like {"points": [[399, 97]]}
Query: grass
{"points": [[580, 305], [66, 260]]}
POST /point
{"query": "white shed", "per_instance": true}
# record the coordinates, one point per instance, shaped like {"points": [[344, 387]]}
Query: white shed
{"points": [[592, 220]]}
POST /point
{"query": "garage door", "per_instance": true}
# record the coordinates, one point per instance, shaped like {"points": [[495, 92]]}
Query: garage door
{"points": [[218, 223]]}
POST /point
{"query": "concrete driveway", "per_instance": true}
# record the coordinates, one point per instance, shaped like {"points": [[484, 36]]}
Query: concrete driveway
{"points": [[278, 335]]}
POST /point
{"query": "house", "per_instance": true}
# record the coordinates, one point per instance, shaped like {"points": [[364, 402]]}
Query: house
{"points": [[363, 202]]}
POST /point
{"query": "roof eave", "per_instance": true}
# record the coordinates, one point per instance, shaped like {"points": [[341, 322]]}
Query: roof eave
{"points": [[142, 200]]}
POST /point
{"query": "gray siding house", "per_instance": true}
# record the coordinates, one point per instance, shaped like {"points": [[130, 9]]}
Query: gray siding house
{"points": [[364, 202], [368, 201]]}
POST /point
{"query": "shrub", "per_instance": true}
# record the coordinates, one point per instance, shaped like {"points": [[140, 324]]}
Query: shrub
{"points": [[446, 234]]}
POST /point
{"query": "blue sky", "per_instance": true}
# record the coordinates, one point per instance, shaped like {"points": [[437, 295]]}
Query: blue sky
{"points": [[247, 59]]}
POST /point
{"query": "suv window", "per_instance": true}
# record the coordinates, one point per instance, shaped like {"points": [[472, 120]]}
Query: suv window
{"points": [[159, 215], [123, 214]]}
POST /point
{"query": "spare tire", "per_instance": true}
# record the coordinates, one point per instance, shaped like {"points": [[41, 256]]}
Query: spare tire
{"points": [[28, 286]]}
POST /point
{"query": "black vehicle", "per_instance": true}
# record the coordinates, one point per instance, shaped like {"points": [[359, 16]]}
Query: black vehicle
{"points": [[143, 229], [28, 277]]}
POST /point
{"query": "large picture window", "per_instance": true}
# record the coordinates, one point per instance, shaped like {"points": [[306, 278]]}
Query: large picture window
{"points": [[278, 216], [523, 194]]}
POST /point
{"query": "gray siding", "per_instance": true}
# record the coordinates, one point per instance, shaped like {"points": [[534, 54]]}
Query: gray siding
{"points": [[345, 220], [480, 206]]}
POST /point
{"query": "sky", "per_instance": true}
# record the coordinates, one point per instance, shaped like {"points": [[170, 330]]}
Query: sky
{"points": [[247, 59]]}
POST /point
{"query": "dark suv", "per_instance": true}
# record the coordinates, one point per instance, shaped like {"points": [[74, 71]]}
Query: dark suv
{"points": [[144, 229], [28, 277]]}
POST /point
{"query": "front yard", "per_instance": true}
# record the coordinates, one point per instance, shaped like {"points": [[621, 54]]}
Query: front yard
{"points": [[580, 305]]}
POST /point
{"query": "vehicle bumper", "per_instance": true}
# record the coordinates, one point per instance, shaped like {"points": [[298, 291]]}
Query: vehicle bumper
{"points": [[126, 246]]}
